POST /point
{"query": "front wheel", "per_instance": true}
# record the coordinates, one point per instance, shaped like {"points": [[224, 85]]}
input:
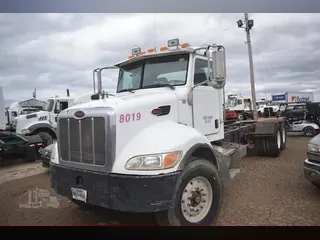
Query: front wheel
{"points": [[240, 116], [198, 196], [46, 138]]}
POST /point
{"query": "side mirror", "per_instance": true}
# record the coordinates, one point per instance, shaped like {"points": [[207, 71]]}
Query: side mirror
{"points": [[95, 96], [57, 108], [219, 65]]}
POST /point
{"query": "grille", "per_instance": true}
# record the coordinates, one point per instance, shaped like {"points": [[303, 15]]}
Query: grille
{"points": [[83, 141]]}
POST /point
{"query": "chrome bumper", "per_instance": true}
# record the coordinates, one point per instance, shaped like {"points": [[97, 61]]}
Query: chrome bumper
{"points": [[312, 171]]}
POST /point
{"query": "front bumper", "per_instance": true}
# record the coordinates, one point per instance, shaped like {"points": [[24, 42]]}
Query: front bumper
{"points": [[129, 193], [312, 171], [45, 161]]}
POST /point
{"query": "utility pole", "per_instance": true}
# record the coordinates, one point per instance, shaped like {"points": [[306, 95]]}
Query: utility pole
{"points": [[247, 27]]}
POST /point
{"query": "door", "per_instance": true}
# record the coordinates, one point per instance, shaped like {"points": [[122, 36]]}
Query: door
{"points": [[207, 101]]}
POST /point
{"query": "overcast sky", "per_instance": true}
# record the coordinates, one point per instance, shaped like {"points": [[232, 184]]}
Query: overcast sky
{"points": [[53, 52]]}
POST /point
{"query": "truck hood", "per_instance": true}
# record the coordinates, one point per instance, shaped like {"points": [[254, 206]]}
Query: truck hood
{"points": [[138, 98], [315, 140]]}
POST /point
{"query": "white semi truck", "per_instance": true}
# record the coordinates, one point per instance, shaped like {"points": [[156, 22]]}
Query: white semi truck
{"points": [[44, 123], [160, 145]]}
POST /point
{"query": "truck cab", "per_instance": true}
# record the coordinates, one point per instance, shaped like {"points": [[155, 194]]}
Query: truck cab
{"points": [[44, 123], [158, 145]]}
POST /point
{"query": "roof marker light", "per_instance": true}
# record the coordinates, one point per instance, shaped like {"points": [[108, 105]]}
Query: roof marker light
{"points": [[150, 50], [184, 45], [163, 49]]}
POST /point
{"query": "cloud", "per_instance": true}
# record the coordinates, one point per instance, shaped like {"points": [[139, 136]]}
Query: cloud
{"points": [[54, 52]]}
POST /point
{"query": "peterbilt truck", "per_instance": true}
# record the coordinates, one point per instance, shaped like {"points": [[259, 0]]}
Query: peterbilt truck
{"points": [[161, 144]]}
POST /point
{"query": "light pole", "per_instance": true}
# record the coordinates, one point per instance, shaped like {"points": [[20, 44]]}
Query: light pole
{"points": [[247, 25]]}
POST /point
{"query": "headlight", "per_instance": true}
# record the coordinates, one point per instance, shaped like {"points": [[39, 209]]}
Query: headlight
{"points": [[154, 162], [313, 147], [25, 131], [54, 157]]}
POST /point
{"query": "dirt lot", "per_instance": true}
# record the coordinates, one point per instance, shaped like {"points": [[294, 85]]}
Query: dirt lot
{"points": [[267, 192]]}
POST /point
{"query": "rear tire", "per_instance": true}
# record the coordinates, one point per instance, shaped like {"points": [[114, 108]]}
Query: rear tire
{"points": [[198, 196], [309, 131], [274, 143], [283, 136]]}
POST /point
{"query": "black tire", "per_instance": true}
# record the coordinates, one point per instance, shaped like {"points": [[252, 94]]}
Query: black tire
{"points": [[46, 137], [283, 136], [259, 114], [240, 116], [32, 155], [197, 168], [309, 131], [274, 143], [317, 185]]}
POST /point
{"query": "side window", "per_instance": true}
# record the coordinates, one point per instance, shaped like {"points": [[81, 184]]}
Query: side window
{"points": [[239, 102], [299, 108], [63, 106], [200, 71]]}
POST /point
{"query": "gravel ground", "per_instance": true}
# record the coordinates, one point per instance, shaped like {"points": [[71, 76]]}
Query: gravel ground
{"points": [[267, 192]]}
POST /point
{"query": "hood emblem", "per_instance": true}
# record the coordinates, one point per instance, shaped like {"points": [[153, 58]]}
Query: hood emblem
{"points": [[79, 114]]}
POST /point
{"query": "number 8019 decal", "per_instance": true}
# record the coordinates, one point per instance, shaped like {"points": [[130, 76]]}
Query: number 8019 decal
{"points": [[130, 117]]}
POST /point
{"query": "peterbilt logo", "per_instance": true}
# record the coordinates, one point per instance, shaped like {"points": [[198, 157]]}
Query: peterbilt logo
{"points": [[79, 114]]}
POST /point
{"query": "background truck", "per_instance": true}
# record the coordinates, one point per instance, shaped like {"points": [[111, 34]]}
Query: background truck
{"points": [[242, 106], [161, 144], [13, 145], [293, 97], [44, 123]]}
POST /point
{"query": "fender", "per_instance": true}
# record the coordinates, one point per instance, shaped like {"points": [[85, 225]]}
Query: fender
{"points": [[34, 126], [162, 137], [314, 125]]}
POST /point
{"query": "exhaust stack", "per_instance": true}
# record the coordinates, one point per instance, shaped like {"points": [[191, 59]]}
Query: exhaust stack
{"points": [[68, 93]]}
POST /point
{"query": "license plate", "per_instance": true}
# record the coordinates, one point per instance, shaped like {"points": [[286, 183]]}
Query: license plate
{"points": [[79, 194]]}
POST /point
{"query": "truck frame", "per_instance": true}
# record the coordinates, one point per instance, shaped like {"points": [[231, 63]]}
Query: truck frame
{"points": [[160, 145]]}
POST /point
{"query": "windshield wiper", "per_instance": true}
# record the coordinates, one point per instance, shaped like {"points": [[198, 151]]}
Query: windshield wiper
{"points": [[159, 85], [127, 90]]}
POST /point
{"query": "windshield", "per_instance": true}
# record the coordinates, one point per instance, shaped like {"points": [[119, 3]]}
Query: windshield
{"points": [[232, 102], [27, 111], [49, 105], [154, 72]]}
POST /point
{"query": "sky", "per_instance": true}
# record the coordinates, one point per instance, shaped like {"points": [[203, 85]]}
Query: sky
{"points": [[54, 52]]}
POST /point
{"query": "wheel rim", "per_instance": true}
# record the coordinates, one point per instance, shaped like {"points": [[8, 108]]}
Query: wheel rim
{"points": [[284, 135], [308, 132], [240, 117], [196, 199], [279, 140]]}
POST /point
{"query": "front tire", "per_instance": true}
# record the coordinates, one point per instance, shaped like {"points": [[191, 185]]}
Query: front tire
{"points": [[198, 196], [46, 138], [240, 116]]}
